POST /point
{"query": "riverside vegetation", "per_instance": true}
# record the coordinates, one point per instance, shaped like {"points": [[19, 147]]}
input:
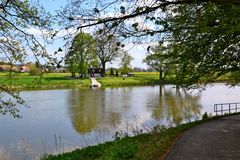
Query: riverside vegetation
{"points": [[144, 146], [24, 81]]}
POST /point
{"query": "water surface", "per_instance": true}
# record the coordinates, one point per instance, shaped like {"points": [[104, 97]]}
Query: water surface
{"points": [[61, 120]]}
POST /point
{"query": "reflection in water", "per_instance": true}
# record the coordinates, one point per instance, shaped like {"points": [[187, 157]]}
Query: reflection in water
{"points": [[109, 108], [92, 109], [24, 148], [85, 113], [78, 118], [174, 105], [20, 151], [4, 155]]}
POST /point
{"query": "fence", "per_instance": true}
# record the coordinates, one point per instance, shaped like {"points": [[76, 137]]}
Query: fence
{"points": [[226, 108]]}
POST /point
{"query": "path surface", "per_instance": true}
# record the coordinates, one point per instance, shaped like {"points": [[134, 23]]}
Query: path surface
{"points": [[215, 140], [95, 83]]}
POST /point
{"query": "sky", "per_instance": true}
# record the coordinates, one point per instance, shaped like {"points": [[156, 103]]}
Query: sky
{"points": [[138, 52]]}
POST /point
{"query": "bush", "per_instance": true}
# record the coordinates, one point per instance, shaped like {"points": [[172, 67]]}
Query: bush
{"points": [[205, 116], [33, 70]]}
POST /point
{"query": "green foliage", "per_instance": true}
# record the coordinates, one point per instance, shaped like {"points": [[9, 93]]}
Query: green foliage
{"points": [[111, 72], [81, 54], [107, 47], [126, 63], [203, 35], [17, 19], [205, 116], [232, 78], [125, 70], [8, 105], [159, 129], [34, 70], [205, 40], [124, 150], [158, 58]]}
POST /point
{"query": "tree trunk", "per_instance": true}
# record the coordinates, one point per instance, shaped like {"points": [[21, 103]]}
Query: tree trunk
{"points": [[73, 74], [103, 69], [161, 77], [161, 90]]}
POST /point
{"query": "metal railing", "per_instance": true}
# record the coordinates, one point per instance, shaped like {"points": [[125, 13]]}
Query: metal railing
{"points": [[226, 108]]}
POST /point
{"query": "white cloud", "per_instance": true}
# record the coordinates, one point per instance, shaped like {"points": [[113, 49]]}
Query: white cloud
{"points": [[34, 31]]}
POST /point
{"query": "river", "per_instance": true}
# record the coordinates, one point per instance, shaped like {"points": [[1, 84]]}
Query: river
{"points": [[61, 120]]}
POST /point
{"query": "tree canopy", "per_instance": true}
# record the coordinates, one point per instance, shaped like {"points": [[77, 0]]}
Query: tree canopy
{"points": [[126, 62], [206, 39], [158, 58], [107, 47], [204, 34], [18, 20], [81, 54]]}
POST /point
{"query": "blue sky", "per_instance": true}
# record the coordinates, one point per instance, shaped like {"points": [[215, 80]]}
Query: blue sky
{"points": [[138, 52], [52, 5]]}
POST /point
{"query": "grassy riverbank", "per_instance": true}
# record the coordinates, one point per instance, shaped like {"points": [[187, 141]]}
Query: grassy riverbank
{"points": [[150, 146], [48, 81], [137, 80], [23, 81]]}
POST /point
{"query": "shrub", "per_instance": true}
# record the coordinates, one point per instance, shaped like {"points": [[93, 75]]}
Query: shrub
{"points": [[33, 70], [205, 116]]}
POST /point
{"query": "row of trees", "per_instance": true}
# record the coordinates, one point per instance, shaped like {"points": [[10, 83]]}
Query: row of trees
{"points": [[201, 36], [88, 52]]}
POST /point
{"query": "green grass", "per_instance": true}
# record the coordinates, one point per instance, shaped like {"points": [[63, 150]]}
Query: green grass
{"points": [[138, 79], [63, 80], [148, 146], [48, 81]]}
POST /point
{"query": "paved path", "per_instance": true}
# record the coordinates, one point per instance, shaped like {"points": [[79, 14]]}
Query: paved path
{"points": [[95, 83], [215, 140]]}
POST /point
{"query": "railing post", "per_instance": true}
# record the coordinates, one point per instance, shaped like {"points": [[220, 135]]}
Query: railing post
{"points": [[221, 109], [215, 110], [229, 108]]}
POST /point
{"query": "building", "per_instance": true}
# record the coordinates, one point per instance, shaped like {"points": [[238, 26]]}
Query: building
{"points": [[95, 72]]}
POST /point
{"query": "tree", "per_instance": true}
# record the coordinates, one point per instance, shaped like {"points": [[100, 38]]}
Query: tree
{"points": [[33, 69], [107, 48], [81, 54], [126, 62], [205, 32], [158, 59], [206, 40], [111, 72], [17, 19]]}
